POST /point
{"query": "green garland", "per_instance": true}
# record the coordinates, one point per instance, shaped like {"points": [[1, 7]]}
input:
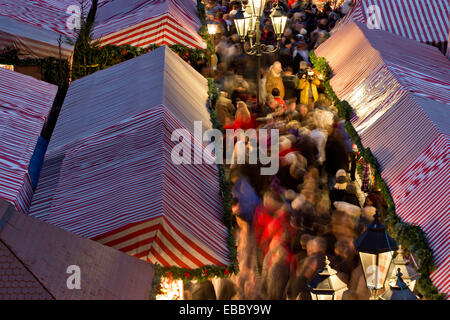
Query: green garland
{"points": [[53, 70], [95, 57], [409, 236]]}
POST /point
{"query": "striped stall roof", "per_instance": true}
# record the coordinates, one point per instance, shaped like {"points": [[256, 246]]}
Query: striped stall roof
{"points": [[447, 54], [108, 174], [425, 21], [24, 106], [34, 27], [401, 113], [144, 22]]}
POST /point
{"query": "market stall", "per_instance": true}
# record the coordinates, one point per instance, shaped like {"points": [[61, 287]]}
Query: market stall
{"points": [[24, 106], [398, 89], [140, 23], [35, 27], [108, 173], [424, 21]]}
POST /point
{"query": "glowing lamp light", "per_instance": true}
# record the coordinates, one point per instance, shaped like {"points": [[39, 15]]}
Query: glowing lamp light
{"points": [[257, 7], [242, 21], [279, 20], [376, 249], [409, 274], [212, 28], [171, 289]]}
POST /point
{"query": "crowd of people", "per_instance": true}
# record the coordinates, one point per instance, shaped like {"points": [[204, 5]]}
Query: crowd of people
{"points": [[286, 224]]}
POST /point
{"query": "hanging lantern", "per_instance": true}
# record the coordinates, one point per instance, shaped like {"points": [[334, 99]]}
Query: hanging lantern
{"points": [[212, 28], [410, 275], [257, 7], [252, 22], [242, 23], [279, 20], [326, 285], [399, 290], [376, 249]]}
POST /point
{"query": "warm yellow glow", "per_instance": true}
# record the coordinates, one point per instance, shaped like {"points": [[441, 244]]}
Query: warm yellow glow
{"points": [[7, 66], [171, 289], [212, 28], [376, 268]]}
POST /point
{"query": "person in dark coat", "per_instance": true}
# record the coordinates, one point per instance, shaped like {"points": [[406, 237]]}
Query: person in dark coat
{"points": [[336, 156], [308, 148], [300, 53], [339, 190], [350, 196], [296, 282]]}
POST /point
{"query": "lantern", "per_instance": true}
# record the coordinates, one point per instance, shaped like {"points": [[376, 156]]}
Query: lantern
{"points": [[212, 28], [399, 290], [326, 285], [279, 20], [257, 7], [252, 21], [242, 23], [376, 249], [410, 275]]}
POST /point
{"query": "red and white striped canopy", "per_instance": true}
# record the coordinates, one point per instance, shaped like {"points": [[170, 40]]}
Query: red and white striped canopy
{"points": [[34, 27], [448, 47], [144, 22], [108, 173], [426, 21], [24, 106], [400, 92]]}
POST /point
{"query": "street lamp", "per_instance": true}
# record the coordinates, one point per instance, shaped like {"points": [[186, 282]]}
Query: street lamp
{"points": [[212, 28], [248, 24], [326, 285], [376, 249], [410, 275], [398, 290]]}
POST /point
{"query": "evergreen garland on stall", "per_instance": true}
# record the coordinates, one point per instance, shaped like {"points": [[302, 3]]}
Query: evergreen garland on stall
{"points": [[409, 236], [53, 70]]}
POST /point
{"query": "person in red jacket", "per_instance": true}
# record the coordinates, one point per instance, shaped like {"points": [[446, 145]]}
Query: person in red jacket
{"points": [[278, 99]]}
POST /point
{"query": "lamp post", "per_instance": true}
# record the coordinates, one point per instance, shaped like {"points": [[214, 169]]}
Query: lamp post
{"points": [[376, 249], [326, 285], [248, 24], [212, 30], [398, 290], [409, 274]]}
